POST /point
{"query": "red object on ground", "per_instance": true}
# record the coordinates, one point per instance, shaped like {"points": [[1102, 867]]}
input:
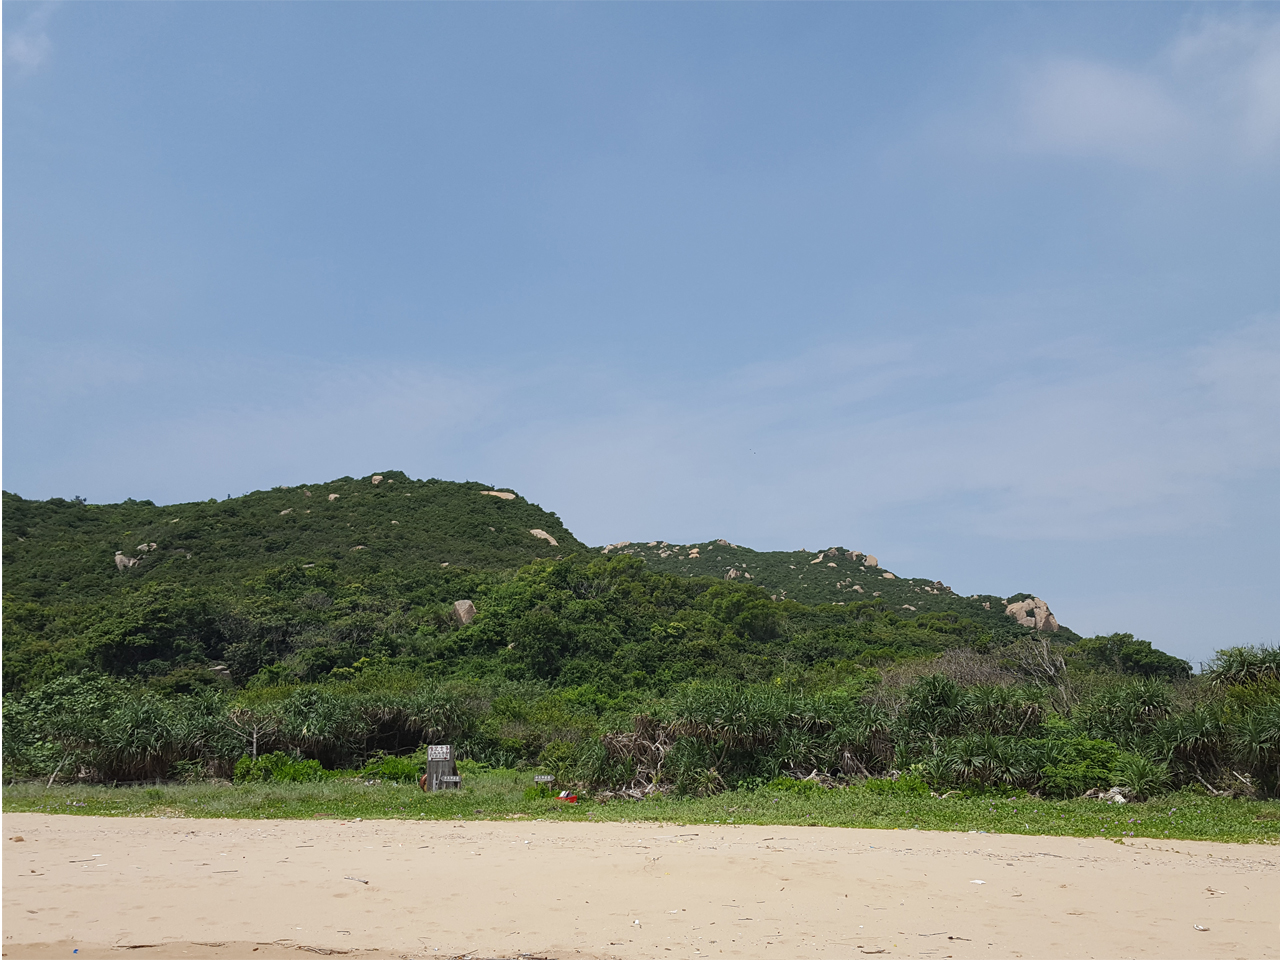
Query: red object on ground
{"points": [[568, 797]]}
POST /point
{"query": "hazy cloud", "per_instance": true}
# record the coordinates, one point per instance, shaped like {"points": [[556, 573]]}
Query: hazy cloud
{"points": [[1082, 108], [1109, 448], [1215, 90], [28, 45], [1097, 447]]}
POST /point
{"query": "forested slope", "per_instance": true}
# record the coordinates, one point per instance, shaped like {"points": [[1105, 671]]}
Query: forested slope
{"points": [[135, 588], [319, 622], [834, 575], [304, 583], [64, 548]]}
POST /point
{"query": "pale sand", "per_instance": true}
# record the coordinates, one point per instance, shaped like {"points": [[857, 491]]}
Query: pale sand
{"points": [[584, 890]]}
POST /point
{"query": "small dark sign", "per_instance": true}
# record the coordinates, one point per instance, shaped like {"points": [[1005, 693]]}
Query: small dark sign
{"points": [[544, 778], [449, 779]]}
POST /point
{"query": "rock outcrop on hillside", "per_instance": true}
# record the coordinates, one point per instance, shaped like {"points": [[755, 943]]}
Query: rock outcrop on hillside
{"points": [[839, 576], [1033, 613]]}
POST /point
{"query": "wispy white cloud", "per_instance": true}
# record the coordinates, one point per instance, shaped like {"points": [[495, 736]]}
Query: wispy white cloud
{"points": [[1090, 448], [1085, 109], [115, 423], [1213, 92], [1236, 63], [28, 46], [1102, 447]]}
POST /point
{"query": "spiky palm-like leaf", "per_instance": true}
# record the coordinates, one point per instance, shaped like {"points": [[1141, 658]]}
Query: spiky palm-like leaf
{"points": [[1236, 666]]}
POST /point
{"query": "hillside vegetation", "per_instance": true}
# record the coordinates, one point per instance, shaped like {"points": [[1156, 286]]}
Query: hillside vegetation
{"points": [[296, 632], [834, 575], [324, 574]]}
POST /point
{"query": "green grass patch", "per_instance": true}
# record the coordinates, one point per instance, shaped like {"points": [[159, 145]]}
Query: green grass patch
{"points": [[499, 794]]}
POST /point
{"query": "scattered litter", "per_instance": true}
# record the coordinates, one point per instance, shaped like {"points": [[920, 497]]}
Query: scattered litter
{"points": [[17, 839], [356, 879], [1200, 928], [965, 939], [977, 881]]}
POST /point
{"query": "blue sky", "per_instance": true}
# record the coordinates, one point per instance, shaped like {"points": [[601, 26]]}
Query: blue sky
{"points": [[990, 291]]}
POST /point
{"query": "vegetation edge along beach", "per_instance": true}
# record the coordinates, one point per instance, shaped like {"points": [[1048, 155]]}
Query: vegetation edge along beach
{"points": [[289, 653]]}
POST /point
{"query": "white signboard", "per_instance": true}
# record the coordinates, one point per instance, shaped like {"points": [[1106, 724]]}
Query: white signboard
{"points": [[438, 752]]}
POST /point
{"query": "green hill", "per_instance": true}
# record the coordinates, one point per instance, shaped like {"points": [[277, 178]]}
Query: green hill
{"points": [[56, 548], [835, 575], [326, 572], [324, 621], [317, 582]]}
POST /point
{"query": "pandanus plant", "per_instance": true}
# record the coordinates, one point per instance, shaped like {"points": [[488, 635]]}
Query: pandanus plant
{"points": [[1237, 666], [735, 717], [1127, 712], [862, 741], [1002, 710], [1142, 776], [140, 739], [1194, 742], [318, 725], [1255, 745], [934, 707]]}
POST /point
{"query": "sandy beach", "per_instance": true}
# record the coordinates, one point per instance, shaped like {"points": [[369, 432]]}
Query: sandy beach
{"points": [[219, 888]]}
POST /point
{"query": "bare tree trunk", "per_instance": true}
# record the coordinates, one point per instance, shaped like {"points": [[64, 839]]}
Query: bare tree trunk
{"points": [[1038, 659], [56, 769]]}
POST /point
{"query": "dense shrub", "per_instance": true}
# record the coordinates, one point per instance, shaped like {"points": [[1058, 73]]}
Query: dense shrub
{"points": [[1142, 776], [1142, 734], [1242, 665], [1076, 765], [255, 628], [397, 769], [281, 767]]}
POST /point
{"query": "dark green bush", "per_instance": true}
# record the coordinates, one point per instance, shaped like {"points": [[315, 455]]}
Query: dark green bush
{"points": [[280, 767], [1141, 776], [791, 785], [1077, 765], [906, 785], [397, 769]]}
